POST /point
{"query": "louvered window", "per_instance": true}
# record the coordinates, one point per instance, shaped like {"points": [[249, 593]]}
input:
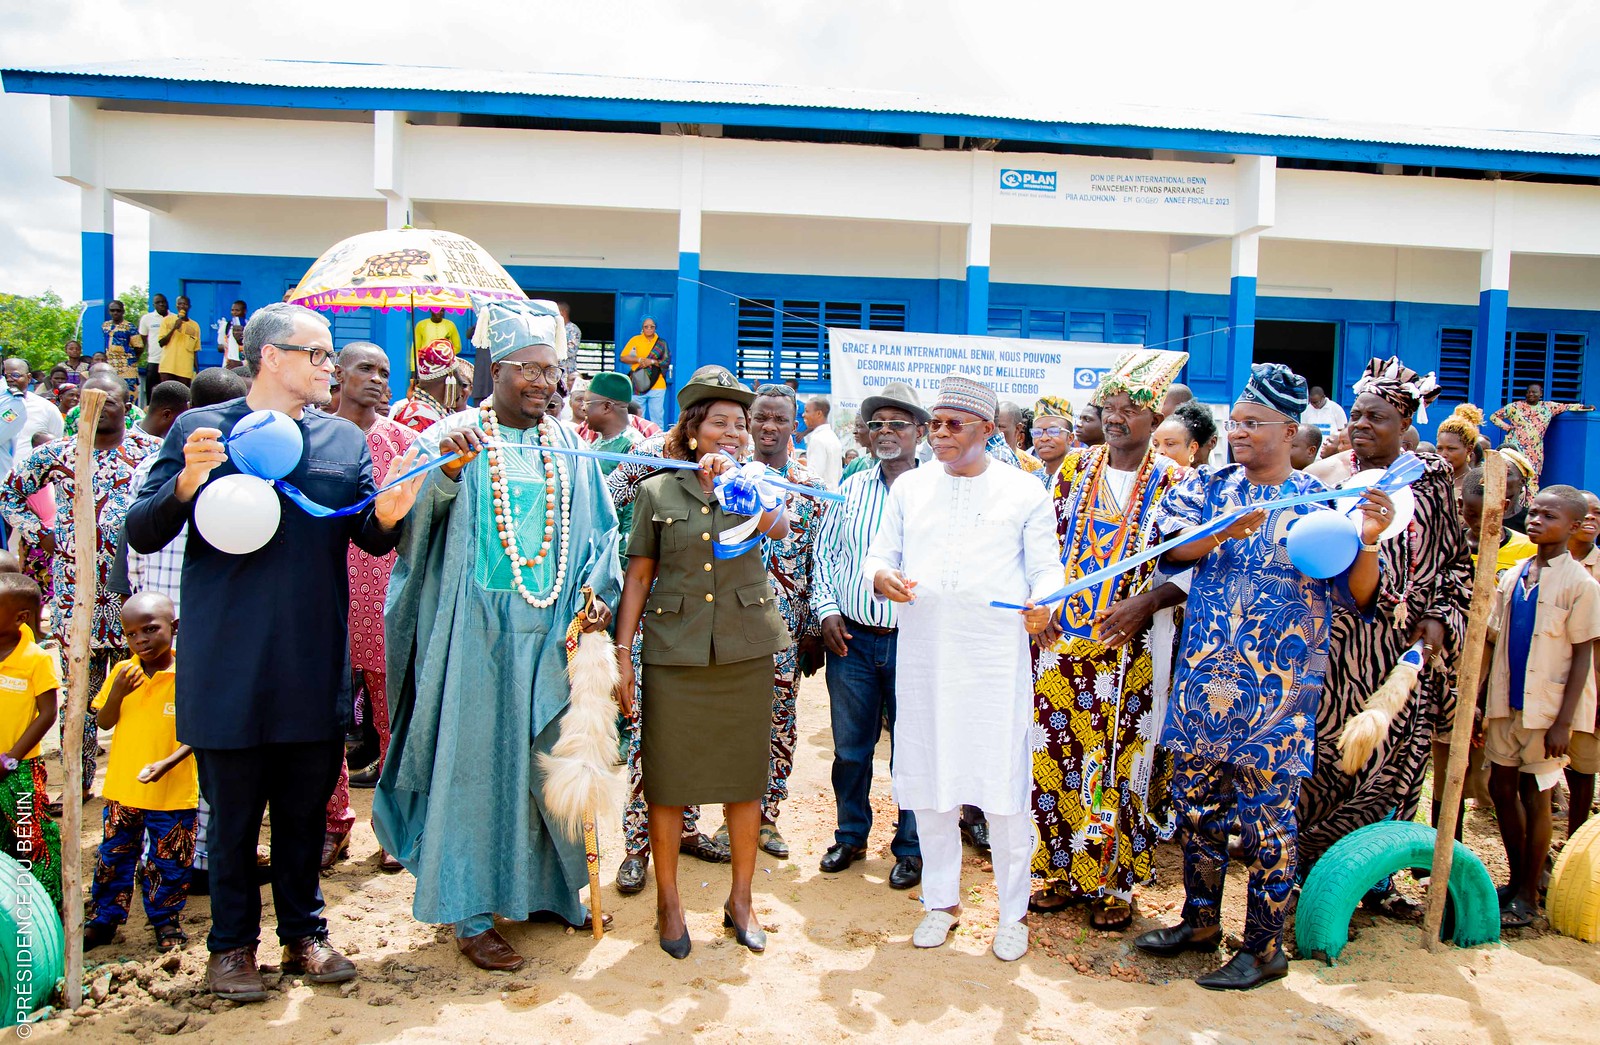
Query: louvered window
{"points": [[780, 338], [1554, 360], [1455, 364], [1126, 328]]}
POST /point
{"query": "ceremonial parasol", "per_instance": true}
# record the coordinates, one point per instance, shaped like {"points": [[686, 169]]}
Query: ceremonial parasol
{"points": [[405, 268]]}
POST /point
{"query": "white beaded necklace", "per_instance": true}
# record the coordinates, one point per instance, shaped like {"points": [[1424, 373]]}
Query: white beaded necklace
{"points": [[505, 520]]}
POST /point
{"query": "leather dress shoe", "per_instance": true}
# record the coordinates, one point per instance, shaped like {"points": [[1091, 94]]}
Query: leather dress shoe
{"points": [[907, 872], [1245, 971], [314, 958], [233, 976], [366, 776], [630, 876], [840, 856], [388, 864], [489, 951], [1169, 943], [334, 847], [976, 834]]}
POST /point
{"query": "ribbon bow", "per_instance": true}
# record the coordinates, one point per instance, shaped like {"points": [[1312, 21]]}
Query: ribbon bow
{"points": [[750, 489]]}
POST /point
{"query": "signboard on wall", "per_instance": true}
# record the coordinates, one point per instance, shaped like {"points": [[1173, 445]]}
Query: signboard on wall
{"points": [[1018, 369]]}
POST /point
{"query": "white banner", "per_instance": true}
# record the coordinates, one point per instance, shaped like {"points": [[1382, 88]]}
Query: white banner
{"points": [[1018, 369]]}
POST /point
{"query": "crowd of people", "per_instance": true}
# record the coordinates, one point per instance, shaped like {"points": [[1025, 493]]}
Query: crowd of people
{"points": [[1197, 697]]}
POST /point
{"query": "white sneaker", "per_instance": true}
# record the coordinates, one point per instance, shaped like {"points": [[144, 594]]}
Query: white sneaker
{"points": [[935, 929], [1011, 942]]}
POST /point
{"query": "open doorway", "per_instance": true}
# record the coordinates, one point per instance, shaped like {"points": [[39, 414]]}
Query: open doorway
{"points": [[595, 314], [1304, 347]]}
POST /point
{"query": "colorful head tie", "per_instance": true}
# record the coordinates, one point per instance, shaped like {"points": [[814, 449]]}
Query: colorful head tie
{"points": [[436, 360], [1397, 384], [1277, 388], [1054, 406], [1143, 375]]}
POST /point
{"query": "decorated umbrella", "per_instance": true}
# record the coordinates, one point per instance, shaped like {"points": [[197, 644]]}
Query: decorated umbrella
{"points": [[404, 268]]}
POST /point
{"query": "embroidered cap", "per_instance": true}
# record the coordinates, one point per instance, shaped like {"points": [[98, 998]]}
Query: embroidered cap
{"points": [[505, 327], [1143, 375], [613, 386], [962, 392], [1276, 387], [436, 360]]}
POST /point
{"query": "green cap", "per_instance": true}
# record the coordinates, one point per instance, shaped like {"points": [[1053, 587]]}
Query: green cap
{"points": [[613, 386]]}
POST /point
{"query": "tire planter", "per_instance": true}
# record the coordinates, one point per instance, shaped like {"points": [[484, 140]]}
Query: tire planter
{"points": [[32, 944], [1573, 900], [1365, 857]]}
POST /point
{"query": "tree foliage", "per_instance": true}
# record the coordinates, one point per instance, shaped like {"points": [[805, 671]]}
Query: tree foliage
{"points": [[38, 327]]}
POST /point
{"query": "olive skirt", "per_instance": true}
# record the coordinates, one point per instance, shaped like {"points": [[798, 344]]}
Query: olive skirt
{"points": [[706, 732]]}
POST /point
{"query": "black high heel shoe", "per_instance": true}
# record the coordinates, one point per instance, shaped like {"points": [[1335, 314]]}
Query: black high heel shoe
{"points": [[678, 948], [755, 939]]}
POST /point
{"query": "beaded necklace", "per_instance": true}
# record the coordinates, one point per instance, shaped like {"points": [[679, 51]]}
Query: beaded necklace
{"points": [[418, 395], [505, 518], [1087, 501]]}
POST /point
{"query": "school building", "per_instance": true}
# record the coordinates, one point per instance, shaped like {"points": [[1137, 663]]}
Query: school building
{"points": [[747, 218]]}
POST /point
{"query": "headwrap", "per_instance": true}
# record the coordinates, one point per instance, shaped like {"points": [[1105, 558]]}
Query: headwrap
{"points": [[1277, 388], [505, 327], [1143, 375], [1397, 384], [1055, 406], [961, 392], [1519, 462], [436, 360]]}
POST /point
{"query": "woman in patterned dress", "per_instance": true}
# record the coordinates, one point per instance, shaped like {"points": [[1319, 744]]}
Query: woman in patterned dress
{"points": [[1526, 423], [1422, 595]]}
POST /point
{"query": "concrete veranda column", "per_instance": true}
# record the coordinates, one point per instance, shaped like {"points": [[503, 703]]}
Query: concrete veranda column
{"points": [[99, 283], [1242, 308]]}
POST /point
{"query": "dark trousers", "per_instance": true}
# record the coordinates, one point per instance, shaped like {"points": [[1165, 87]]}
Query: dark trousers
{"points": [[295, 782], [860, 704], [1212, 797]]}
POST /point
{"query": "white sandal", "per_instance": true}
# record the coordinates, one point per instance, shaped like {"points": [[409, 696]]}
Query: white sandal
{"points": [[1011, 941], [935, 929]]}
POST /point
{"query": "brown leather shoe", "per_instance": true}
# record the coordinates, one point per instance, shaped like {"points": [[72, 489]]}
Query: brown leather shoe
{"points": [[334, 847], [314, 958], [490, 952], [233, 975], [388, 864]]}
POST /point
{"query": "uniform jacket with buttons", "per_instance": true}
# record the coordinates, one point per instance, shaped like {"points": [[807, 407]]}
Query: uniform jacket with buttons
{"points": [[702, 609]]}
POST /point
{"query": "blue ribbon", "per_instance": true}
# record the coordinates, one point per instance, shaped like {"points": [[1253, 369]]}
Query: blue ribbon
{"points": [[1405, 470]]}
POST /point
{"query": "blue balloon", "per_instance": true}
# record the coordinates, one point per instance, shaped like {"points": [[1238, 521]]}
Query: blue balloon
{"points": [[1323, 543], [266, 444]]}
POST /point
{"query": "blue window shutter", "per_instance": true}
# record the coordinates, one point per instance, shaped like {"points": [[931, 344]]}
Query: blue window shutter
{"points": [[1130, 328], [1455, 363], [1047, 324], [1087, 326], [1207, 345], [1566, 366], [780, 338], [1005, 322]]}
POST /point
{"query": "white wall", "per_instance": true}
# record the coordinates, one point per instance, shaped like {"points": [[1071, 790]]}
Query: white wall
{"points": [[820, 247], [563, 236], [255, 225], [1079, 258], [1542, 281]]}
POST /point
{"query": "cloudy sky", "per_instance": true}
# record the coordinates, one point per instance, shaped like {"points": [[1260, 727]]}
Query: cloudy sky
{"points": [[1525, 65]]}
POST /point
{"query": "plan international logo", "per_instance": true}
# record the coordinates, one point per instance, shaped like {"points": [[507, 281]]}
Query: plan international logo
{"points": [[1019, 181]]}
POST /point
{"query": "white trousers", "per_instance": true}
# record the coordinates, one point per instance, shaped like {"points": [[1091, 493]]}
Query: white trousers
{"points": [[1012, 840]]}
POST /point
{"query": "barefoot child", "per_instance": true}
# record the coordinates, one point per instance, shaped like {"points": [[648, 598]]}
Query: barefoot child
{"points": [[1541, 695], [152, 785], [28, 685]]}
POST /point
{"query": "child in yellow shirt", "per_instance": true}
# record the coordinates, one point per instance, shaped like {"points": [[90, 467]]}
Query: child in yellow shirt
{"points": [[152, 785], [28, 685]]}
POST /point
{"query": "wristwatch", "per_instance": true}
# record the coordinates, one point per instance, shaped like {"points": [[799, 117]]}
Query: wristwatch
{"points": [[9, 763], [1369, 547]]}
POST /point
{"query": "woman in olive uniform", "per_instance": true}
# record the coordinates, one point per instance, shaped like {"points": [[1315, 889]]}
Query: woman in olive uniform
{"points": [[711, 627]]}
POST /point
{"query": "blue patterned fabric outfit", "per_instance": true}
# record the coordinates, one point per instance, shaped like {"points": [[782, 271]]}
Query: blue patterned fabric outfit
{"points": [[164, 839], [789, 569], [1243, 710], [114, 492]]}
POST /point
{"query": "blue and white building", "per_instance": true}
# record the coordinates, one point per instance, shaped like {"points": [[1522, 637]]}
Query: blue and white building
{"points": [[746, 218]]}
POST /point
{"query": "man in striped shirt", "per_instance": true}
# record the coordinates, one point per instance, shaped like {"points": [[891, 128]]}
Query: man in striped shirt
{"points": [[859, 631]]}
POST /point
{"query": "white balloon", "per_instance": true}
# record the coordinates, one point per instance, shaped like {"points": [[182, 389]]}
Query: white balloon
{"points": [[237, 514]]}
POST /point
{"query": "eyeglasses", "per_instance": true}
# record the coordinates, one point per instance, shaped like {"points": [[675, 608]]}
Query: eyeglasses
{"points": [[551, 375], [896, 427], [776, 390], [1251, 426], [317, 356], [936, 426], [1054, 432]]}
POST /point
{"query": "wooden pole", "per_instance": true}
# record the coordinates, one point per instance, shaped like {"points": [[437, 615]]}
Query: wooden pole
{"points": [[591, 846], [84, 541], [1469, 679]]}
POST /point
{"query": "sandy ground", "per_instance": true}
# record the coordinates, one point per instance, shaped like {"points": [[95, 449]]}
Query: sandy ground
{"points": [[839, 965]]}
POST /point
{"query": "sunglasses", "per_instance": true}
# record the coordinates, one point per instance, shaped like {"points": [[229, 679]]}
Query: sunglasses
{"points": [[776, 390], [896, 427], [955, 427]]}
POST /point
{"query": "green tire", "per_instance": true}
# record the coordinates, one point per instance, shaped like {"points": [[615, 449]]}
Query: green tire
{"points": [[1365, 857], [33, 949]]}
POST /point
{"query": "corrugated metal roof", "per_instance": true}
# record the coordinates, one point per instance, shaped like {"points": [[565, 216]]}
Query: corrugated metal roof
{"points": [[347, 76]]}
